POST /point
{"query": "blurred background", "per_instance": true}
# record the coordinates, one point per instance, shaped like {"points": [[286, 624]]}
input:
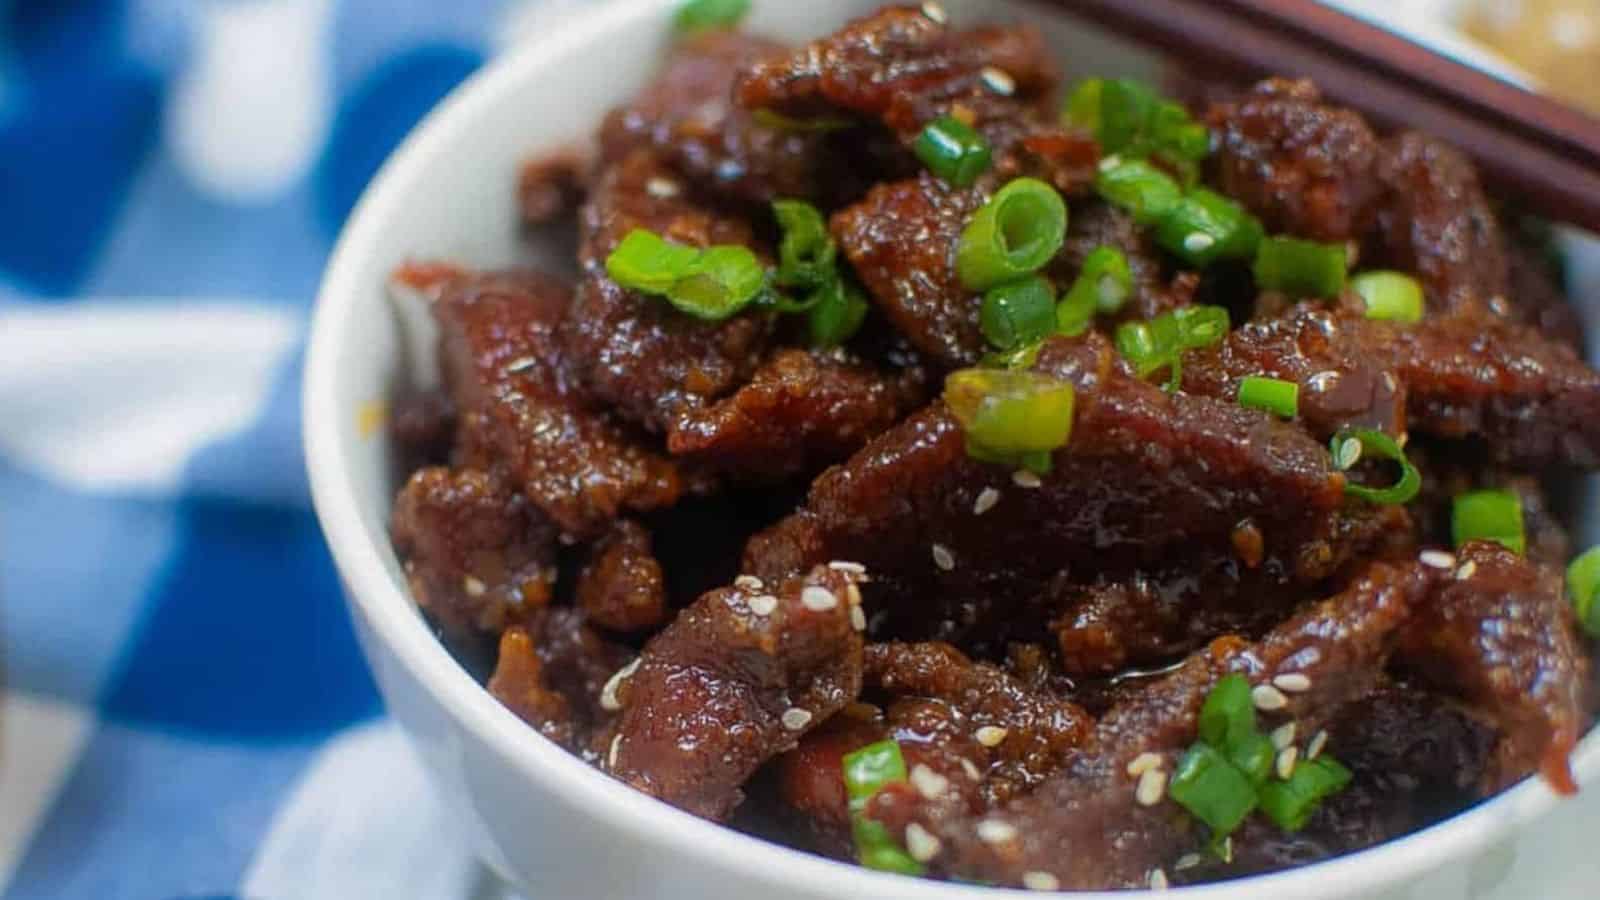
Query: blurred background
{"points": [[184, 712]]}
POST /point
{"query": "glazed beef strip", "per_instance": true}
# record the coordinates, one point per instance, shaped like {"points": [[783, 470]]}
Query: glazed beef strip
{"points": [[1502, 636], [478, 555], [621, 585], [638, 354], [1083, 828], [552, 672], [1145, 475], [520, 408], [735, 680]]}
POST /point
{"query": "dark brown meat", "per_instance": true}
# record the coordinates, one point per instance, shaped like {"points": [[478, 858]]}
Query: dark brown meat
{"points": [[1452, 468], [901, 239], [1344, 380], [552, 673], [1083, 827], [688, 117], [1304, 167], [1436, 222], [647, 361], [1536, 291], [519, 409], [621, 586], [802, 411], [422, 425], [1501, 635], [1146, 474], [478, 556], [551, 187], [734, 681]]}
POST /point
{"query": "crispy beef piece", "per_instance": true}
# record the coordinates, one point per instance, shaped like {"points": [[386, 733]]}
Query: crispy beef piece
{"points": [[646, 360], [1146, 474], [551, 187], [1416, 758], [478, 555], [802, 411], [688, 117], [1304, 167], [519, 408], [1501, 635], [732, 683], [422, 425], [551, 673], [1083, 825], [1096, 224], [1436, 222], [621, 586], [901, 239], [1344, 380], [1537, 296]]}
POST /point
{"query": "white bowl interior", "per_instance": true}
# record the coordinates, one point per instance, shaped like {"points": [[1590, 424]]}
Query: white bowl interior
{"points": [[448, 195]]}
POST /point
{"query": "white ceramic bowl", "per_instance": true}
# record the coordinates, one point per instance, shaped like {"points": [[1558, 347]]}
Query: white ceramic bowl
{"points": [[539, 817]]}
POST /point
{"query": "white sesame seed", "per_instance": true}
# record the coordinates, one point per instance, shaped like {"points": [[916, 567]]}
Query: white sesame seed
{"points": [[521, 364], [991, 735], [971, 770], [1110, 162], [1287, 758], [1040, 881], [1143, 763], [749, 583], [998, 80], [795, 718], [1437, 559], [943, 558], [661, 187], [1293, 682], [987, 498], [1318, 741], [818, 598], [858, 618], [922, 845], [1188, 861], [847, 567], [935, 13], [1023, 478], [473, 586], [1268, 698], [1227, 849], [996, 831], [608, 694], [1198, 242], [1283, 735], [928, 783], [1158, 880], [763, 604], [1349, 453], [1152, 786], [852, 594], [1467, 570], [611, 754]]}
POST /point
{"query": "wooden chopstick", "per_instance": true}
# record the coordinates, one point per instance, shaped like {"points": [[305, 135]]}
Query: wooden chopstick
{"points": [[1531, 149]]}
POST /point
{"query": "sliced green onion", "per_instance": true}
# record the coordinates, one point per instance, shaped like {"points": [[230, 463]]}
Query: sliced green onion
{"points": [[1489, 516], [721, 281], [644, 261], [1394, 296], [953, 150], [806, 252], [866, 772], [1228, 714], [1145, 191], [839, 311], [1014, 234], [1038, 462], [699, 15], [1350, 445], [1205, 227], [1018, 313], [1178, 135], [777, 121], [1102, 286], [1274, 395], [1254, 756], [1009, 411], [1083, 106], [1158, 343], [1290, 804], [1212, 789], [1583, 582], [1126, 110], [1022, 357], [1301, 268], [1201, 326]]}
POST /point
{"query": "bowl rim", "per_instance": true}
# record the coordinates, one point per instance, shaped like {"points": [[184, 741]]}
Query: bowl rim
{"points": [[391, 614]]}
